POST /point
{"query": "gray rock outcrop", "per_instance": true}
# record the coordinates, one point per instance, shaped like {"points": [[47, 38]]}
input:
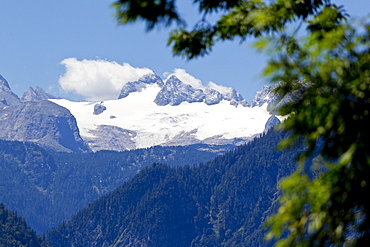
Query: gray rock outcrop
{"points": [[271, 123], [36, 95], [99, 108], [174, 92], [7, 97], [111, 138], [212, 96], [138, 85], [44, 123]]}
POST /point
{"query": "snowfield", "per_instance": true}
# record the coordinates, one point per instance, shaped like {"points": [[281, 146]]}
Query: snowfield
{"points": [[144, 124]]}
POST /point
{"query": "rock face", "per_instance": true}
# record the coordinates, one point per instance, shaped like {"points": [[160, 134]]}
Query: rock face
{"points": [[108, 137], [264, 96], [212, 96], [235, 98], [35, 119], [99, 108], [137, 86], [42, 122], [174, 92], [271, 122], [36, 95], [7, 97]]}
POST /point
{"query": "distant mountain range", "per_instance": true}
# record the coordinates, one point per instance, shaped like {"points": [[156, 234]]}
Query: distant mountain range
{"points": [[166, 195], [147, 112]]}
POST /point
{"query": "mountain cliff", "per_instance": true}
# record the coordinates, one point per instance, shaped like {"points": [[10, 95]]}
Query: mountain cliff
{"points": [[35, 119], [43, 122]]}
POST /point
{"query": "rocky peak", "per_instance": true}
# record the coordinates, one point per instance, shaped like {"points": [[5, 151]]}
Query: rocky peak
{"points": [[174, 92], [7, 97], [137, 86], [4, 85], [36, 95], [233, 95], [266, 95], [212, 96]]}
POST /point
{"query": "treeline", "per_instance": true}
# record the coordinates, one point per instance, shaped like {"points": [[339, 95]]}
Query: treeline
{"points": [[223, 202], [47, 188]]}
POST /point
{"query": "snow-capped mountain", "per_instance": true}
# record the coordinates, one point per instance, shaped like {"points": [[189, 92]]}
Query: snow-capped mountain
{"points": [[148, 112], [174, 92]]}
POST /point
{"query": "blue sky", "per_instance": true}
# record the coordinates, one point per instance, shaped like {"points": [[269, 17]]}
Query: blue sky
{"points": [[37, 35]]}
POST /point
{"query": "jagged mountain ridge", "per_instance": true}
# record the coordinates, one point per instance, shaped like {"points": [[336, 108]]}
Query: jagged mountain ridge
{"points": [[151, 112], [147, 112], [174, 92], [141, 83], [36, 94]]}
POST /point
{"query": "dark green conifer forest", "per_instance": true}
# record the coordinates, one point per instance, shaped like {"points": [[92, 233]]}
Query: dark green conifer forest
{"points": [[47, 188], [223, 202], [14, 232]]}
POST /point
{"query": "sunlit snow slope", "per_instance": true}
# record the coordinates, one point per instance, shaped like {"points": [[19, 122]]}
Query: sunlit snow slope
{"points": [[137, 122]]}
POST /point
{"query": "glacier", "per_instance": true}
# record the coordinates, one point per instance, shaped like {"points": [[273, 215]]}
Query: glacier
{"points": [[136, 121]]}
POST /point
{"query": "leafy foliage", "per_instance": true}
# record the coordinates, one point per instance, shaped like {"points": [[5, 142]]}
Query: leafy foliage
{"points": [[332, 66], [323, 59], [152, 11]]}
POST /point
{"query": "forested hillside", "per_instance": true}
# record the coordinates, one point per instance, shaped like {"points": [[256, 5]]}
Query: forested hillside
{"points": [[14, 231], [220, 203], [47, 188]]}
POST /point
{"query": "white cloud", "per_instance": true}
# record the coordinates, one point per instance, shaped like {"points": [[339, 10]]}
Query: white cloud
{"points": [[222, 89], [186, 78], [98, 79]]}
